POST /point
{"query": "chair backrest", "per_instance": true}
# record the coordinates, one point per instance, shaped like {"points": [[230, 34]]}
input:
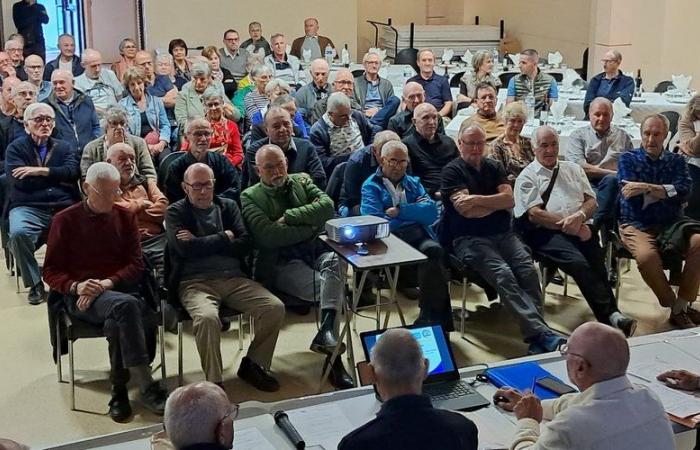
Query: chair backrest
{"points": [[165, 165], [583, 71], [408, 56], [335, 182], [673, 118], [663, 86], [454, 81], [505, 78], [558, 77], [358, 72]]}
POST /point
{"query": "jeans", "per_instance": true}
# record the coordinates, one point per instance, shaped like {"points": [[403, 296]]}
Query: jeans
{"points": [[381, 119], [322, 281], [26, 226], [606, 189]]}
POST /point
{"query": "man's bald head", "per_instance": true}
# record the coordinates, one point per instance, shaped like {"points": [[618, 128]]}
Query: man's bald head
{"points": [[413, 95], [267, 152], [271, 165], [425, 119], [195, 170], [117, 149], [604, 352]]}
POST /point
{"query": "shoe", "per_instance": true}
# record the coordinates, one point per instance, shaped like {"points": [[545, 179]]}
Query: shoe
{"points": [[339, 377], [154, 398], [545, 342], [119, 406], [258, 377], [557, 279], [626, 325], [694, 315], [681, 320], [411, 293], [325, 340], [37, 294]]}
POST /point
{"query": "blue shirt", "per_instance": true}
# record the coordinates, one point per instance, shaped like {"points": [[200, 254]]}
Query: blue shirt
{"points": [[437, 89], [669, 170], [373, 99], [161, 86]]}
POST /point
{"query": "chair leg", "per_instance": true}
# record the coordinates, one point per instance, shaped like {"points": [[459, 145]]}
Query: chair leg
{"points": [[161, 338], [566, 285], [71, 370], [59, 366], [240, 332], [179, 354]]}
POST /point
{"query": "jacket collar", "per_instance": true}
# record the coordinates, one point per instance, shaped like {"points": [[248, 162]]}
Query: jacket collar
{"points": [[398, 405]]}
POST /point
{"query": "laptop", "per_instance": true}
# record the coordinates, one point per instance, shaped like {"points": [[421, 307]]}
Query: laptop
{"points": [[443, 385]]}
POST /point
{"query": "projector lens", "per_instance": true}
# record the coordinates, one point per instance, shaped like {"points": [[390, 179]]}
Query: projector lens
{"points": [[349, 232]]}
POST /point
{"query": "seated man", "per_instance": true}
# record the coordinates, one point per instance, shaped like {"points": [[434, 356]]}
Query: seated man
{"points": [[437, 87], [233, 56], [340, 132], [257, 40], [66, 59], [407, 419], [76, 119], [554, 225], [102, 85], [208, 247], [227, 178], [597, 149], [402, 122], [429, 150], [34, 66], [284, 67], [13, 127], [311, 41], [611, 83], [318, 89], [532, 81], [486, 115], [95, 271], [375, 94], [477, 223], [360, 166], [343, 82], [301, 155], [116, 131], [286, 102], [654, 185], [609, 413], [199, 415], [402, 200], [284, 213], [15, 50], [157, 85], [42, 172]]}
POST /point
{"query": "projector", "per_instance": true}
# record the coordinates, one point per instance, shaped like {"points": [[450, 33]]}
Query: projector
{"points": [[358, 229]]}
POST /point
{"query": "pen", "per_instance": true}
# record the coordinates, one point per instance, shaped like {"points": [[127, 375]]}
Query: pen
{"points": [[534, 382]]}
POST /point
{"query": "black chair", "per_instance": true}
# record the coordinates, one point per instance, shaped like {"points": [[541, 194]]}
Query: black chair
{"points": [[165, 166], [335, 182], [454, 81], [505, 78], [663, 86], [408, 56], [583, 70], [358, 73], [558, 77], [673, 118]]}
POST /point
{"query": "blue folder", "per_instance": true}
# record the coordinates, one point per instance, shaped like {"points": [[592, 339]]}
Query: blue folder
{"points": [[521, 376]]}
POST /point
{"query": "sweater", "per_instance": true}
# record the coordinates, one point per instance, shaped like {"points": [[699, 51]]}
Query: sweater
{"points": [[76, 123], [228, 179]]}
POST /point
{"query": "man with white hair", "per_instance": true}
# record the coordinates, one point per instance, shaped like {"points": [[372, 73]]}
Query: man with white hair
{"points": [[284, 67], [22, 94], [553, 205], [609, 412], [15, 49], [95, 272], [340, 132], [66, 59], [611, 83], [34, 66], [375, 94], [407, 419], [319, 88], [199, 416], [402, 123], [102, 85], [343, 82], [42, 172], [532, 82]]}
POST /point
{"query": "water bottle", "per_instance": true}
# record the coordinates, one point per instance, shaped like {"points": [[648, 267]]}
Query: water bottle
{"points": [[530, 105], [495, 57], [328, 53]]}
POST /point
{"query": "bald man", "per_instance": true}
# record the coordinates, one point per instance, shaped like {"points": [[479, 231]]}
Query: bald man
{"points": [[6, 105], [208, 247], [34, 66], [343, 82], [610, 413], [402, 122], [102, 85]]}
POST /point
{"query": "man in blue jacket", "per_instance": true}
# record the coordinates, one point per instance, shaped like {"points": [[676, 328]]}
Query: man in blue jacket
{"points": [[43, 172], [611, 83], [404, 202]]}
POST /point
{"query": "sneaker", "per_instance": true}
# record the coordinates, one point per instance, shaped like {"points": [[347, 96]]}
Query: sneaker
{"points": [[154, 398], [257, 376], [546, 342], [626, 325], [681, 320], [119, 406], [37, 294]]}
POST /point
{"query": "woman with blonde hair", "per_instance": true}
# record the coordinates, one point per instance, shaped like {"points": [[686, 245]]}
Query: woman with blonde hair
{"points": [[510, 148], [219, 73], [482, 64]]}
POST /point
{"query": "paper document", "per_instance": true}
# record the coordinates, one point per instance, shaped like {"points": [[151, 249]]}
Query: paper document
{"points": [[495, 429], [323, 425], [679, 403], [251, 439]]}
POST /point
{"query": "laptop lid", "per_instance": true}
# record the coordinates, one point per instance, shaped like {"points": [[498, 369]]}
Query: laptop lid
{"points": [[436, 349]]}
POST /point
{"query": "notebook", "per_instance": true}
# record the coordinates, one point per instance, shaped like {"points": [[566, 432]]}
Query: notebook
{"points": [[522, 377]]}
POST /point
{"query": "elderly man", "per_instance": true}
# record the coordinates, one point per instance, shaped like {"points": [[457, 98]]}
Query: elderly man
{"points": [[477, 224], [284, 67], [100, 84], [284, 213], [402, 122], [436, 87], [597, 149], [286, 102], [22, 94], [402, 200], [7, 108], [76, 118], [375, 94], [199, 416], [300, 153], [7, 70], [15, 50], [609, 413], [532, 82], [343, 82], [486, 115], [407, 419], [158, 85], [34, 67], [654, 185], [208, 247], [429, 150], [198, 133], [42, 172], [95, 272], [116, 126], [611, 83], [66, 59], [311, 41], [319, 89], [553, 202], [233, 57], [257, 40], [340, 132]]}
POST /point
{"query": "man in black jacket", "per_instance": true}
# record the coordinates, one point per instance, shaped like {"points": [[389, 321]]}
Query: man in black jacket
{"points": [[208, 245], [28, 16]]}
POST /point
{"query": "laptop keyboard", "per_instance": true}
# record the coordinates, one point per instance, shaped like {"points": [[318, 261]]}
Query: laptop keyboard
{"points": [[448, 390]]}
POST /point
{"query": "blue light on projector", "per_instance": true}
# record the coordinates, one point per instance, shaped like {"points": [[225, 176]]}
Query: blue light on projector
{"points": [[349, 232]]}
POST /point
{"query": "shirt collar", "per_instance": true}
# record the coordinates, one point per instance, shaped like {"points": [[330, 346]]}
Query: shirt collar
{"points": [[601, 135], [229, 54], [291, 147], [647, 156], [334, 126], [404, 403], [539, 168]]}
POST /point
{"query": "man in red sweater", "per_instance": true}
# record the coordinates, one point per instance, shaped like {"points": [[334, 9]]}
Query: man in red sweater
{"points": [[93, 258]]}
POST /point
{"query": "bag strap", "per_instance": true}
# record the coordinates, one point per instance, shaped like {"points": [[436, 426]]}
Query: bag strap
{"points": [[548, 192]]}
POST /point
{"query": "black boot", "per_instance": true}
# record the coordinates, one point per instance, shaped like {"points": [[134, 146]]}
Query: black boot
{"points": [[339, 377], [326, 340], [119, 406]]}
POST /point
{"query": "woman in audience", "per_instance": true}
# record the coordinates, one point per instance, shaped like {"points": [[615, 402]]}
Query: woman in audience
{"points": [[482, 63], [219, 73], [689, 147], [274, 89], [510, 148], [286, 102], [178, 50], [164, 66], [246, 84], [256, 98], [147, 116], [127, 49]]}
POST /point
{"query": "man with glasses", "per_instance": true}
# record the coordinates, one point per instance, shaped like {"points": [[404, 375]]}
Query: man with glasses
{"points": [[158, 85], [486, 115], [402, 123], [22, 94], [42, 172], [375, 94], [344, 82], [15, 48], [611, 83], [257, 40], [7, 70], [233, 57], [34, 67], [198, 133], [609, 413], [208, 246], [102, 85]]}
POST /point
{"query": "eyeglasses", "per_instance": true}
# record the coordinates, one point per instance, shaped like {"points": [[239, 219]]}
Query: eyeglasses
{"points": [[199, 187], [33, 67], [392, 162], [607, 60], [213, 105], [564, 351], [344, 82], [115, 193], [474, 144], [117, 124], [200, 134], [42, 119], [233, 413]]}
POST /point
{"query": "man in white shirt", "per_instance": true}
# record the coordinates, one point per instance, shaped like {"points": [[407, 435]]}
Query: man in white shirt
{"points": [[102, 85], [553, 225], [608, 414]]}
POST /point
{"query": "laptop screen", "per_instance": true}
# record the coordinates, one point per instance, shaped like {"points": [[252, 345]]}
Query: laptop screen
{"points": [[431, 340]]}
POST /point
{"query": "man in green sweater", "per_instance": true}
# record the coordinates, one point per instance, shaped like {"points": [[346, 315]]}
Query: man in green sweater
{"points": [[284, 214]]}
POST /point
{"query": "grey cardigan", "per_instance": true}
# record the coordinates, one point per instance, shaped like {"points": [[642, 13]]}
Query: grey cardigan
{"points": [[386, 89]]}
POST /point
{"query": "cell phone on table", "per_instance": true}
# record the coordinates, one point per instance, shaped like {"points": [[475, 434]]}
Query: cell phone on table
{"points": [[554, 385]]}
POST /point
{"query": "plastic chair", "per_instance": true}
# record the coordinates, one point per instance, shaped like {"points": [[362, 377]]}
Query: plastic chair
{"points": [[454, 81], [358, 73], [505, 78]]}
